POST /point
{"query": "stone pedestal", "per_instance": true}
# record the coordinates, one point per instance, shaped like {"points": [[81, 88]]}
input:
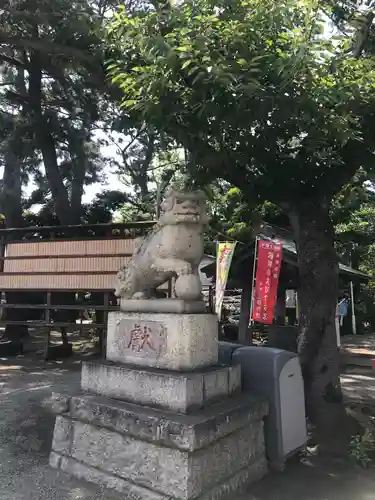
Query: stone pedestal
{"points": [[180, 433], [161, 340]]}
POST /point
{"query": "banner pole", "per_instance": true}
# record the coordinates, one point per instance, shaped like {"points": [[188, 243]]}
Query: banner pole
{"points": [[223, 264], [253, 280], [297, 308], [354, 323], [217, 276]]}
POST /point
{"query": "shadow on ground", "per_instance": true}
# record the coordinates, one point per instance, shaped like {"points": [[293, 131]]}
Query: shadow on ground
{"points": [[359, 344], [359, 385], [317, 480]]}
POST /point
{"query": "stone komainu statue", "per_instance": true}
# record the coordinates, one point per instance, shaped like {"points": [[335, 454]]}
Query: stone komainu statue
{"points": [[173, 248]]}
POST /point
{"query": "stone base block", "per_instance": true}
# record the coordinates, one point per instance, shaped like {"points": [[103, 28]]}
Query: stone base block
{"points": [[185, 432], [162, 340], [152, 455], [225, 490], [177, 391]]}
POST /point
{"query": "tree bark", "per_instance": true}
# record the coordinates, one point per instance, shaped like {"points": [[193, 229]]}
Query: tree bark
{"points": [[317, 294]]}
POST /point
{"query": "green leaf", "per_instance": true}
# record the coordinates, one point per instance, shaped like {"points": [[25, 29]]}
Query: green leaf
{"points": [[184, 48], [241, 62], [119, 77], [129, 103], [187, 63]]}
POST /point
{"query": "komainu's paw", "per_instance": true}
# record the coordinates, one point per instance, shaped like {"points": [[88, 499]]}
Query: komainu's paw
{"points": [[185, 269], [139, 296]]}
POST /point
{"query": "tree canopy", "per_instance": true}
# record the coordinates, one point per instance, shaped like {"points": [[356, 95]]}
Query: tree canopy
{"points": [[250, 85], [56, 107], [262, 99]]}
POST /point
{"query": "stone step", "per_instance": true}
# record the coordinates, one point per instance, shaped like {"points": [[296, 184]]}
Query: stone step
{"points": [[176, 391], [185, 432]]}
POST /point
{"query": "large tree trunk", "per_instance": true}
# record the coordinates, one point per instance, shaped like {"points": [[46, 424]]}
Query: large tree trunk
{"points": [[11, 208], [79, 169], [10, 197], [46, 142], [317, 294], [15, 153], [58, 190]]}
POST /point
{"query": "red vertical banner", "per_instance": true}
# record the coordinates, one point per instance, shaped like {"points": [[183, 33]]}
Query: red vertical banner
{"points": [[266, 281]]}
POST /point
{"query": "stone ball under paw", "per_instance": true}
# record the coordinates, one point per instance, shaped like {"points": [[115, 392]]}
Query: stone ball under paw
{"points": [[188, 287]]}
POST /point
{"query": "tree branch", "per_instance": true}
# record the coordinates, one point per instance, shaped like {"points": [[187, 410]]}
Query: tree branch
{"points": [[332, 19], [13, 61], [362, 35], [45, 46]]}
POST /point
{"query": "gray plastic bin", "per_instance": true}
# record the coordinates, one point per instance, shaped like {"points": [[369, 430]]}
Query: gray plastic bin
{"points": [[276, 375], [226, 350]]}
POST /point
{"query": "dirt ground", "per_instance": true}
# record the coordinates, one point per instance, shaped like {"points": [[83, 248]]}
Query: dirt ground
{"points": [[26, 432], [322, 481]]}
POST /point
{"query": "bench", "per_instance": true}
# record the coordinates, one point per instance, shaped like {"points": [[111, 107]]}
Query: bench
{"points": [[56, 271]]}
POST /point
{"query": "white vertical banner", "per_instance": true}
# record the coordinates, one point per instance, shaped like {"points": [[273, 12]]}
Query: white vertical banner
{"points": [[337, 326], [224, 256], [354, 322]]}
